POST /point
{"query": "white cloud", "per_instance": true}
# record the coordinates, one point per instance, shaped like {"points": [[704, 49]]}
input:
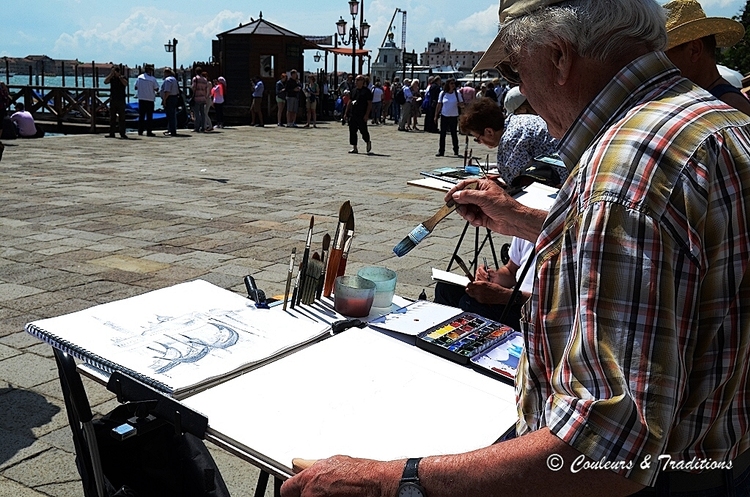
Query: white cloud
{"points": [[141, 36]]}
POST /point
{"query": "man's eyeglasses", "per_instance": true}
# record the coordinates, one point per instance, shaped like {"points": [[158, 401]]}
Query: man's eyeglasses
{"points": [[477, 138], [509, 72]]}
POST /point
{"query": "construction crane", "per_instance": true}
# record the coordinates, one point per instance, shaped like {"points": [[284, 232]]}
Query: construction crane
{"points": [[403, 29]]}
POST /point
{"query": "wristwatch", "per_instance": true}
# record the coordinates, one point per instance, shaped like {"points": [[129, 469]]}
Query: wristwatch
{"points": [[409, 485]]}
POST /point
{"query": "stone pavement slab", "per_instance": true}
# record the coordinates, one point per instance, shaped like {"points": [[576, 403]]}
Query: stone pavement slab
{"points": [[85, 220]]}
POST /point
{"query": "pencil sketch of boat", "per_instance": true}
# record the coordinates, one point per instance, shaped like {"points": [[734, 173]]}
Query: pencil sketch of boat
{"points": [[191, 349]]}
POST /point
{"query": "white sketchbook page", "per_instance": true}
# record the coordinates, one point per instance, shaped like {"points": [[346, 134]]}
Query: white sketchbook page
{"points": [[452, 278], [182, 336], [359, 393], [416, 317], [537, 196]]}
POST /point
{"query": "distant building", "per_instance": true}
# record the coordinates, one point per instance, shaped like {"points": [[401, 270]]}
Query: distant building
{"points": [[439, 53], [388, 61]]}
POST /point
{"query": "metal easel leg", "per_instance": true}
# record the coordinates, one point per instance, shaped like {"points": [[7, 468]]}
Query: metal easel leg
{"points": [[475, 263], [488, 237], [458, 246], [477, 248], [260, 487], [277, 487]]}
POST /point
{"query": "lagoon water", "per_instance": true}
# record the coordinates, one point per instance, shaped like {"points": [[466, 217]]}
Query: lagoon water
{"points": [[70, 81]]}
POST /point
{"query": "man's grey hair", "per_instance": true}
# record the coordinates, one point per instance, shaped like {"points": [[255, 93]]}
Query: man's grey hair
{"points": [[599, 29]]}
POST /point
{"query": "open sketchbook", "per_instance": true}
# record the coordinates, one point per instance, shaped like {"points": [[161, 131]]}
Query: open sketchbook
{"points": [[183, 338]]}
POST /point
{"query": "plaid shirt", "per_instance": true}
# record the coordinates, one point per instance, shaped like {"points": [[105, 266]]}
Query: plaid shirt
{"points": [[638, 335]]}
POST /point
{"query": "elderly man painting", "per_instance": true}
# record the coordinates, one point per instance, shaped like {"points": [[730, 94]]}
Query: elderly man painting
{"points": [[637, 334]]}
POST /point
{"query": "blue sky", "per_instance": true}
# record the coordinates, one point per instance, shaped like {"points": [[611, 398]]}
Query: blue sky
{"points": [[134, 31]]}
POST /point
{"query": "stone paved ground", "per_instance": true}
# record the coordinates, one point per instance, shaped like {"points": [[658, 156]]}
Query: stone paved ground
{"points": [[86, 220]]}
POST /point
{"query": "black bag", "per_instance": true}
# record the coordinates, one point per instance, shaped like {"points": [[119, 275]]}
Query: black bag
{"points": [[399, 97], [157, 463], [537, 172]]}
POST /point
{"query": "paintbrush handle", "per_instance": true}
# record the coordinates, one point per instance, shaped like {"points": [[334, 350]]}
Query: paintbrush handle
{"points": [[449, 207], [342, 266], [345, 253], [299, 465], [334, 258], [439, 216], [463, 267]]}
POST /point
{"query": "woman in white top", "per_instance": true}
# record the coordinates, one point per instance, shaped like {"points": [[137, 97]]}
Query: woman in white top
{"points": [[446, 113]]}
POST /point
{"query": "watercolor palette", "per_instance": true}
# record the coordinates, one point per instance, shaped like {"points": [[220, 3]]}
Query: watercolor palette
{"points": [[502, 359], [463, 337]]}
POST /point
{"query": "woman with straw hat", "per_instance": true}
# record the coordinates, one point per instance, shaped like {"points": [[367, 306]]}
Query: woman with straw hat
{"points": [[691, 46]]}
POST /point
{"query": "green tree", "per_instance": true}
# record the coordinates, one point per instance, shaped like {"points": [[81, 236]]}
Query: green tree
{"points": [[738, 56]]}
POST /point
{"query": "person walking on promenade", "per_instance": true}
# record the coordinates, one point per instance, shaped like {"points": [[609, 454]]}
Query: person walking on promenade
{"points": [[416, 103], [358, 111], [4, 100], [468, 93], [405, 113], [312, 92], [292, 98], [170, 92], [325, 95], [146, 88], [256, 108], [280, 98], [431, 95], [396, 105], [217, 95], [448, 103], [377, 102], [117, 85], [4, 106], [207, 124], [199, 86], [387, 101]]}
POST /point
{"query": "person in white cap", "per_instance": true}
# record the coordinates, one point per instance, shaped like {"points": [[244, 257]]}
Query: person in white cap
{"points": [[691, 46], [635, 371]]}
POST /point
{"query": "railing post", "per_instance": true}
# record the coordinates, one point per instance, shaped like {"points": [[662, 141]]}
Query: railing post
{"points": [[58, 96], [92, 109]]}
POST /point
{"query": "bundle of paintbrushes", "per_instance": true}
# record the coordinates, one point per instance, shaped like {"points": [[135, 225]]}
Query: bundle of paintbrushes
{"points": [[312, 278], [420, 232], [339, 253], [317, 272]]}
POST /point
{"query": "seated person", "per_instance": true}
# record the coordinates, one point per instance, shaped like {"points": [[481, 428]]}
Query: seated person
{"points": [[490, 292], [24, 121], [519, 138]]}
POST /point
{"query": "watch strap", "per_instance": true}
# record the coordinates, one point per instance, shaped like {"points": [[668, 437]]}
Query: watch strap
{"points": [[411, 471]]}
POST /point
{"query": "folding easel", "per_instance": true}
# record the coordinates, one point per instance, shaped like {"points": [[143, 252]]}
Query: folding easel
{"points": [[473, 264], [150, 410]]}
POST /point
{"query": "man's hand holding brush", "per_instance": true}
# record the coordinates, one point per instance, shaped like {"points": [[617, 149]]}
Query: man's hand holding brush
{"points": [[490, 206]]}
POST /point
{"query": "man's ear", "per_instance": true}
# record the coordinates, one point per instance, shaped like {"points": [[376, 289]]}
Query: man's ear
{"points": [[695, 49], [562, 54]]}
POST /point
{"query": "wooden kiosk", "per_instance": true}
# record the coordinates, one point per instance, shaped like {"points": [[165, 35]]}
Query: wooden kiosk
{"points": [[259, 48]]}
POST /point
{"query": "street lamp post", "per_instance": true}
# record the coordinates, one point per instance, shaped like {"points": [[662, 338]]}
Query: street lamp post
{"points": [[356, 35], [171, 46]]}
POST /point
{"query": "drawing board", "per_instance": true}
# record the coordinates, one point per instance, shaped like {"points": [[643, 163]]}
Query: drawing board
{"points": [[359, 393]]}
